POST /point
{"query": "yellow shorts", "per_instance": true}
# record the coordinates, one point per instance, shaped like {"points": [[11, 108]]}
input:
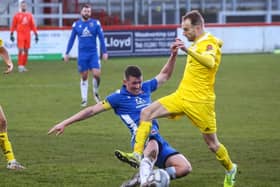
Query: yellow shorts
{"points": [[1, 42], [202, 115]]}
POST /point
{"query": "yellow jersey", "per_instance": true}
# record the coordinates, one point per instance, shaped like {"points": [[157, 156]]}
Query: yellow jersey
{"points": [[198, 81]]}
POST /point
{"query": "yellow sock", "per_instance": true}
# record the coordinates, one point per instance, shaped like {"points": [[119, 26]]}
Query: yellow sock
{"points": [[223, 156], [6, 146], [142, 134]]}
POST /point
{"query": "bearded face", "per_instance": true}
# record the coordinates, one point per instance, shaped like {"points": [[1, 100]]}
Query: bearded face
{"points": [[86, 13], [23, 6]]}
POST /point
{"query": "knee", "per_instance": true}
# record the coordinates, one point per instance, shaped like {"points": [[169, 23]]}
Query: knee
{"points": [[3, 124], [145, 115], [187, 169], [84, 77], [183, 170], [151, 151], [213, 147], [96, 76]]}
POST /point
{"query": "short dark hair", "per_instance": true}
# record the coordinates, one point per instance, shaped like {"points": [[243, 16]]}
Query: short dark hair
{"points": [[85, 5], [195, 17], [133, 71]]}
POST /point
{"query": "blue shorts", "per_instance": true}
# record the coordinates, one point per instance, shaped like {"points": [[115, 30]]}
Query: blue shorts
{"points": [[88, 61], [165, 150]]}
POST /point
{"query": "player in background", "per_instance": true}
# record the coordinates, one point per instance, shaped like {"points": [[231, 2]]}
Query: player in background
{"points": [[87, 30], [127, 104], [23, 23], [5, 144], [195, 96]]}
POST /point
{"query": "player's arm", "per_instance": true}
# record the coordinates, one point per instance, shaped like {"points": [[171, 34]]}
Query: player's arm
{"points": [[102, 41], [13, 28], [206, 59], [82, 115], [32, 24], [70, 43], [33, 28], [168, 68]]}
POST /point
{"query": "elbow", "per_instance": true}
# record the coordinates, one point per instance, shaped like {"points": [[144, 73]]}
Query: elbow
{"points": [[211, 65], [166, 77]]}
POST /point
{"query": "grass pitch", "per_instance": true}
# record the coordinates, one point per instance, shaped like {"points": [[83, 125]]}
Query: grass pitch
{"points": [[248, 115]]}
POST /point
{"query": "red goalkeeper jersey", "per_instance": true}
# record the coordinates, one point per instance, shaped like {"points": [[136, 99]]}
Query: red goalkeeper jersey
{"points": [[23, 23]]}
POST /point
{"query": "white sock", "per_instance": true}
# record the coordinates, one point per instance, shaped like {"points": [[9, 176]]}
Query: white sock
{"points": [[84, 89], [171, 171], [95, 86], [146, 167]]}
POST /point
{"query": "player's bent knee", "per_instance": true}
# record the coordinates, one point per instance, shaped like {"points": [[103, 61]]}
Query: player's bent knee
{"points": [[187, 169], [213, 147], [3, 124], [145, 115], [183, 169]]}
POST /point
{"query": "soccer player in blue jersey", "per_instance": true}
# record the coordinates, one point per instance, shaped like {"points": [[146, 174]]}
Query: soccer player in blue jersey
{"points": [[127, 103], [87, 30]]}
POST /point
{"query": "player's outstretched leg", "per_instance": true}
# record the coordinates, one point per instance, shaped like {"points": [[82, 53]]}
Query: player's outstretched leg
{"points": [[131, 158], [230, 177]]}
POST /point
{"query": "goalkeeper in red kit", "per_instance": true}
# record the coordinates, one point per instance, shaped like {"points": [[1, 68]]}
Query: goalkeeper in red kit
{"points": [[23, 24]]}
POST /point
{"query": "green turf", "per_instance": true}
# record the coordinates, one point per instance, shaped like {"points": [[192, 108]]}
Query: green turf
{"points": [[248, 115]]}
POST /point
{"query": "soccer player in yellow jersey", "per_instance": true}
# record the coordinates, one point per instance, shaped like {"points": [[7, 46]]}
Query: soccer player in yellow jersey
{"points": [[195, 96], [5, 144]]}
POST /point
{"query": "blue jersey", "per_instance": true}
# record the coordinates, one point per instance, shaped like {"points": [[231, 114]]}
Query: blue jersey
{"points": [[128, 106], [87, 32]]}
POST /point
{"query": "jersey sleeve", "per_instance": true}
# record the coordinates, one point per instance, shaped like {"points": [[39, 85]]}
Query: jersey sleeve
{"points": [[154, 84], [71, 39], [32, 24], [106, 105], [211, 46], [150, 85], [101, 37], [113, 99], [14, 24]]}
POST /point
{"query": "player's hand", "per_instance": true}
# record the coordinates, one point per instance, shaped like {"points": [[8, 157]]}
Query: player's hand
{"points": [[36, 38], [105, 56], [181, 45], [174, 47], [58, 129], [12, 38], [66, 58], [10, 67]]}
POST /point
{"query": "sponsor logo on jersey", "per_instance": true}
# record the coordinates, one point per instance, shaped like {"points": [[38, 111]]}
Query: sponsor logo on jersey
{"points": [[209, 47], [153, 131], [86, 32], [139, 101]]}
